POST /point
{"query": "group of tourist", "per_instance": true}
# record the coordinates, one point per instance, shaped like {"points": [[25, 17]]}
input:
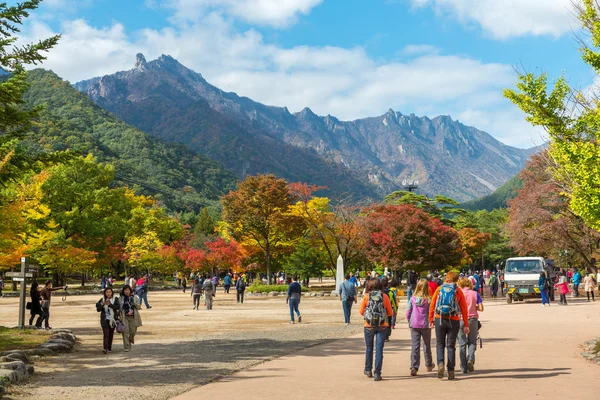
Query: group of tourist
{"points": [[561, 282], [450, 307]]}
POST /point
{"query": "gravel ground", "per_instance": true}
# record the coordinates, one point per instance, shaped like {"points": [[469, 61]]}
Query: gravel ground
{"points": [[178, 348]]}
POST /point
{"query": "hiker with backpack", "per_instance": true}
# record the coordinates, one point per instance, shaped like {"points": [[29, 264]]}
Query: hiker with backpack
{"points": [[208, 288], [293, 299], [227, 281], [544, 286], [197, 293], [347, 294], [493, 284], [141, 290], [393, 295], [468, 342], [447, 304], [417, 314], [240, 288], [376, 309]]}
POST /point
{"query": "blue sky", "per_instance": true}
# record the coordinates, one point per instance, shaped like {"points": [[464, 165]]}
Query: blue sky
{"points": [[348, 58]]}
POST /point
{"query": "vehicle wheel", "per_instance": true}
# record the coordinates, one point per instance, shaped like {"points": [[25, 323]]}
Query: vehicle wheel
{"points": [[509, 299]]}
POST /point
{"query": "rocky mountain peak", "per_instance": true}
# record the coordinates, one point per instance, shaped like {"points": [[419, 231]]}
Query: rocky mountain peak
{"points": [[140, 62]]}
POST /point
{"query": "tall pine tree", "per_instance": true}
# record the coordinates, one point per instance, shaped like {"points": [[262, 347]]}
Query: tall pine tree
{"points": [[15, 119]]}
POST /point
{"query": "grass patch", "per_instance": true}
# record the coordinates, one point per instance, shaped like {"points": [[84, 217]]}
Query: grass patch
{"points": [[597, 348], [259, 288], [17, 339]]}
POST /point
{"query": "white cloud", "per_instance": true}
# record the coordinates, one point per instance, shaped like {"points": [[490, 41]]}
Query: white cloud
{"points": [[346, 83], [278, 13], [503, 19], [414, 49]]}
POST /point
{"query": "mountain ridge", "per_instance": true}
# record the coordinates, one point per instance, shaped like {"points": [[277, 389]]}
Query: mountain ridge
{"points": [[168, 100]]}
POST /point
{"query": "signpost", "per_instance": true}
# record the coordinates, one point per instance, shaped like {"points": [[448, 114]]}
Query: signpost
{"points": [[22, 293]]}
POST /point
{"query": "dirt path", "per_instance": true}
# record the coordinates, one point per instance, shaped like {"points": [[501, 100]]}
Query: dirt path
{"points": [[528, 352], [177, 349]]}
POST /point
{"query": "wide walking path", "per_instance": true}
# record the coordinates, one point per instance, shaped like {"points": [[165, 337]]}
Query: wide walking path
{"points": [[528, 351]]}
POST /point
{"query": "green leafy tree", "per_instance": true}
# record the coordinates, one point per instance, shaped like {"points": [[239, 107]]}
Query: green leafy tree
{"points": [[441, 207], [572, 120], [306, 260], [205, 225], [14, 118]]}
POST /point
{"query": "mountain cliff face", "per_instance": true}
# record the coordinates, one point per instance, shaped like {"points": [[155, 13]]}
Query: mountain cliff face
{"points": [[367, 158]]}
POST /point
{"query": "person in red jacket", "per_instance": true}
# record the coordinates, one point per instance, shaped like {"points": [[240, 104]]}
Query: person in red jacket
{"points": [[432, 284], [446, 328]]}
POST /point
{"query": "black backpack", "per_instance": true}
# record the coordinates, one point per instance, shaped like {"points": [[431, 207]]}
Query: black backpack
{"points": [[242, 284]]}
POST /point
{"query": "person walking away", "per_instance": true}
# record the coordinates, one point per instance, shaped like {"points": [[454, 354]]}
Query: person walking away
{"points": [[493, 284], [36, 305], [376, 309], [131, 317], [108, 307], [447, 304], [46, 295], [184, 283], [227, 283], [240, 288], [576, 283], [589, 285], [208, 288], [197, 293], [468, 342], [179, 278], [563, 286], [347, 294], [293, 299], [1, 287], [544, 286], [141, 290], [431, 283], [393, 295], [476, 282], [417, 315], [411, 282]]}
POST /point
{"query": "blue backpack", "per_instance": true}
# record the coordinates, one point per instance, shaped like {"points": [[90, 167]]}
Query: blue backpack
{"points": [[446, 305]]}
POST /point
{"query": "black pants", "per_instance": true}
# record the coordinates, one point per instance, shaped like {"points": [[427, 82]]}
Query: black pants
{"points": [[197, 300], [240, 296], [108, 334], [227, 287], [588, 295], [38, 323], [563, 299], [446, 332], [46, 317]]}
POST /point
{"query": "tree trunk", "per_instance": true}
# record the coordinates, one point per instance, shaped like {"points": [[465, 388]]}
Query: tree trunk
{"points": [[83, 280], [14, 283]]}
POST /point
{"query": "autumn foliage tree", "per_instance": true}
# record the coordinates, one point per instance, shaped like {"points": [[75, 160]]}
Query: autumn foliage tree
{"points": [[473, 243], [258, 214], [540, 220], [404, 236]]}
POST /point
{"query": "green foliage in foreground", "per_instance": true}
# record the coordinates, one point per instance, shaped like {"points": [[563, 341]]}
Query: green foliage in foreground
{"points": [[498, 199], [171, 173]]}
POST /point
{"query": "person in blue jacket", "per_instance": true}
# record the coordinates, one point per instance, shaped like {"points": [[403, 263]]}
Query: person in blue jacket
{"points": [[227, 281], [576, 283], [544, 286]]}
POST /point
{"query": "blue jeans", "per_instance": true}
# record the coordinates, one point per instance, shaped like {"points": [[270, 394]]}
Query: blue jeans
{"points": [[446, 331], [347, 306], [409, 292], [545, 299], [144, 297], [294, 308], [376, 335]]}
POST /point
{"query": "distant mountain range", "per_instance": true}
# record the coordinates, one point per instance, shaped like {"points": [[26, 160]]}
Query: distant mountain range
{"points": [[366, 158], [173, 174]]}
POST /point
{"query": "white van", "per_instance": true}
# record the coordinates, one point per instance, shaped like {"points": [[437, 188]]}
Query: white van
{"points": [[521, 276]]}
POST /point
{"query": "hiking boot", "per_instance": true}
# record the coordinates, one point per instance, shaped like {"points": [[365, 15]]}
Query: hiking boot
{"points": [[369, 374], [299, 318], [292, 322], [104, 351], [450, 375], [377, 377], [413, 372], [440, 373], [470, 366], [430, 368]]}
